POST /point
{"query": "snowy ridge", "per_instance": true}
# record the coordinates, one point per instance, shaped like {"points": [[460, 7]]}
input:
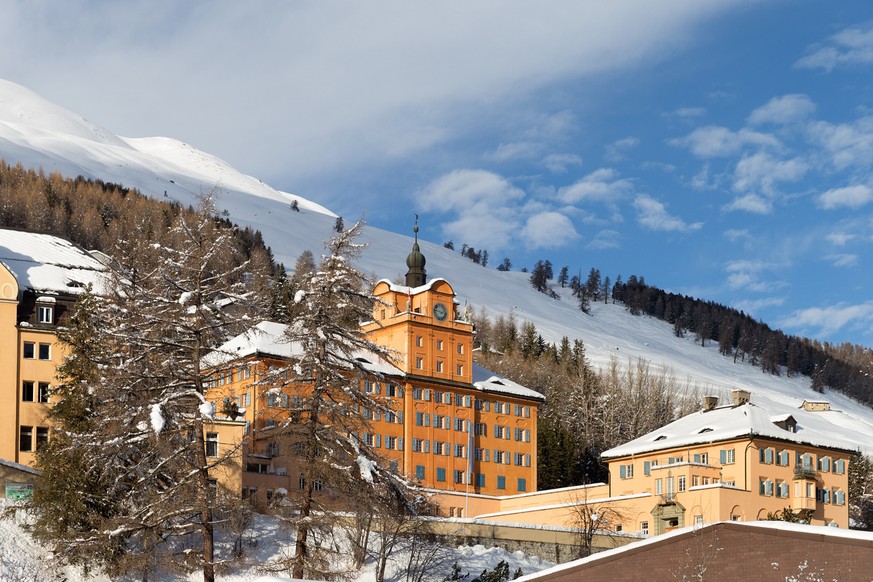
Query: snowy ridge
{"points": [[40, 134], [47, 263]]}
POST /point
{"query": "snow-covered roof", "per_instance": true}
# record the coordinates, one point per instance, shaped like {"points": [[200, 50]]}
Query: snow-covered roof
{"points": [[487, 381], [20, 467], [269, 338], [46, 263], [731, 422], [411, 290]]}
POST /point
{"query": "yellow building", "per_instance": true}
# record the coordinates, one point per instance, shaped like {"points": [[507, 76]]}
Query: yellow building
{"points": [[41, 277], [738, 461], [452, 425]]}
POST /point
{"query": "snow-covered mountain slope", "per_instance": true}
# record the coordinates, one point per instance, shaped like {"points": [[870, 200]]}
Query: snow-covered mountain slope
{"points": [[37, 134]]}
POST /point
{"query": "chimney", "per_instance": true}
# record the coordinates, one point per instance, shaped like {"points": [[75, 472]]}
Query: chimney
{"points": [[740, 396], [709, 402]]}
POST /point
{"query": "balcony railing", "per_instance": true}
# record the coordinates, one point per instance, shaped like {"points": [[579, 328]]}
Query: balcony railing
{"points": [[805, 472]]}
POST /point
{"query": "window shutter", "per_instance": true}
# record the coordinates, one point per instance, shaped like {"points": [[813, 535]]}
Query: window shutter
{"points": [[647, 467], [378, 441], [400, 444], [622, 471], [722, 456]]}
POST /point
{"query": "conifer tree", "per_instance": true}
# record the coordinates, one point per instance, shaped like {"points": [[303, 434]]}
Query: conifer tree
{"points": [[330, 435], [164, 306]]}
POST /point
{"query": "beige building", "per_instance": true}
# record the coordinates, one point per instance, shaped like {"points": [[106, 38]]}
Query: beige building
{"points": [[738, 461]]}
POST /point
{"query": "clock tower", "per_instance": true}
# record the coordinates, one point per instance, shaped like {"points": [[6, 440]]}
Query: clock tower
{"points": [[421, 323]]}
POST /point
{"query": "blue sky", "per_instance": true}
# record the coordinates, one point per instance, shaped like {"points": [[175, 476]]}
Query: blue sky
{"points": [[721, 149]]}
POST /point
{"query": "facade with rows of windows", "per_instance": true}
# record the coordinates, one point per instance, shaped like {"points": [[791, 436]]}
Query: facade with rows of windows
{"points": [[739, 461], [446, 423], [41, 278]]}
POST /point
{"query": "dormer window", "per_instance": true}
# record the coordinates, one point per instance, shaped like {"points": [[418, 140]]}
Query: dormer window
{"points": [[46, 314]]}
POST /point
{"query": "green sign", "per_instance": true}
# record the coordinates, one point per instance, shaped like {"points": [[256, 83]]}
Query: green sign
{"points": [[19, 491]]}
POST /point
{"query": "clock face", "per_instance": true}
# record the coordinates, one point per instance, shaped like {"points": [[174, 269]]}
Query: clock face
{"points": [[440, 312]]}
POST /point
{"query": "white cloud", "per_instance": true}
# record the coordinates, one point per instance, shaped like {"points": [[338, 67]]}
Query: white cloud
{"points": [[519, 150], [761, 172], [302, 90], [783, 110], [831, 319], [617, 150], [558, 163], [754, 305], [602, 185], [484, 203], [750, 203], [549, 230], [850, 196], [851, 46], [605, 240], [687, 113], [653, 215], [843, 260], [839, 239], [713, 141], [848, 144], [737, 234]]}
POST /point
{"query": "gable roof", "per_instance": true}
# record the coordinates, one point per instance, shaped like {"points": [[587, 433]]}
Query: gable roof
{"points": [[48, 264], [727, 423]]}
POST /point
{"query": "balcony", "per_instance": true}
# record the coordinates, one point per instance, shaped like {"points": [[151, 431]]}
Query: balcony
{"points": [[805, 472]]}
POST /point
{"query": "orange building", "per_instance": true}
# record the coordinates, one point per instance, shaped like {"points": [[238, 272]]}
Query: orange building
{"points": [[451, 425]]}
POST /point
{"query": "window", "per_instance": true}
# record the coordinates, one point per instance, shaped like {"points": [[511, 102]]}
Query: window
{"points": [[626, 471], [644, 528], [460, 348], [659, 486], [840, 497], [681, 483], [726, 456], [441, 474], [839, 466], [766, 456], [782, 458], [765, 487], [42, 436], [519, 434], [394, 391], [439, 345], [45, 351], [480, 429], [782, 489], [459, 476], [46, 314], [419, 363], [439, 367], [212, 444], [42, 394], [390, 443], [459, 451], [29, 350], [459, 424], [698, 520], [460, 370], [25, 439], [419, 472], [518, 410], [27, 391], [480, 480], [419, 341], [519, 459], [501, 482], [498, 431], [416, 445], [422, 419], [522, 484], [824, 464], [498, 456]]}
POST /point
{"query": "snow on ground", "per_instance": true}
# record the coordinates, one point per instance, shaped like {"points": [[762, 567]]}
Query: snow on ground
{"points": [[23, 559]]}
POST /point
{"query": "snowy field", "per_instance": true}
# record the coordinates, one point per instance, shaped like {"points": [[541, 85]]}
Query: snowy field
{"points": [[24, 560]]}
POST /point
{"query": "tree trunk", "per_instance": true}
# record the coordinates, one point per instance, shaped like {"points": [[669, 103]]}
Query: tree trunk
{"points": [[203, 493]]}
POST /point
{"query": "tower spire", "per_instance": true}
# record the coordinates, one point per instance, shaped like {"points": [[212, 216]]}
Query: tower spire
{"points": [[416, 276]]}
